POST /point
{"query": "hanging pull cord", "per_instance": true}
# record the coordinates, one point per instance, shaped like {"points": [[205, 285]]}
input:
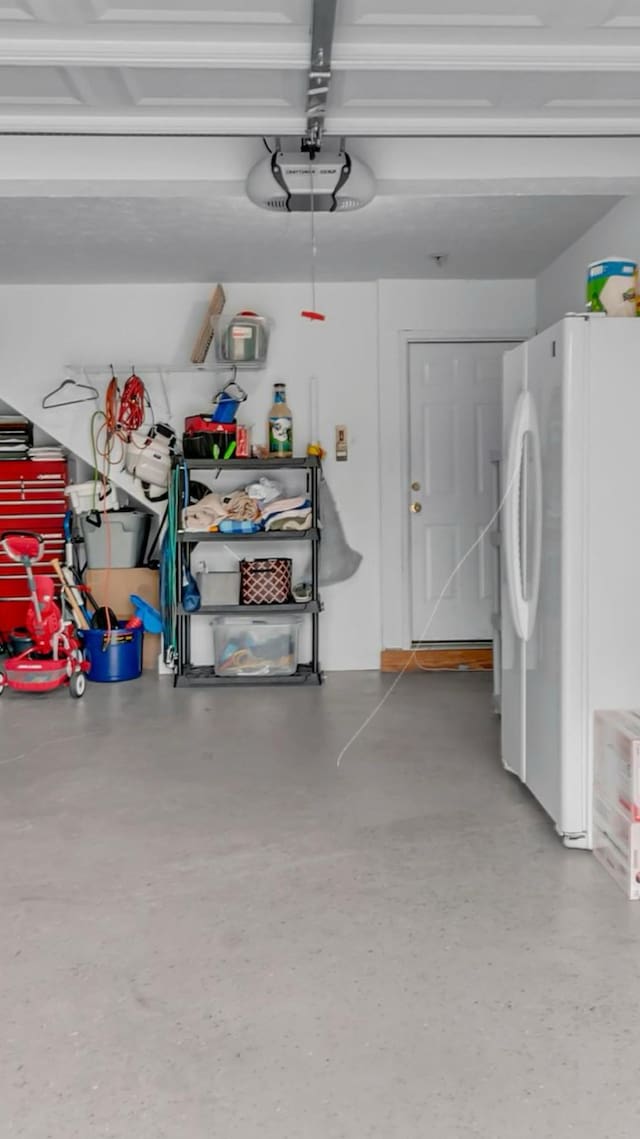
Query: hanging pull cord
{"points": [[314, 246], [312, 313]]}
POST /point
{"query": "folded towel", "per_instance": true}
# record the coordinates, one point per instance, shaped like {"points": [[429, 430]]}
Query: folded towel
{"points": [[284, 506], [293, 520]]}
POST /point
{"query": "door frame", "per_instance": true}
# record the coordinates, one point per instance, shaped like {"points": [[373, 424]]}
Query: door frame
{"points": [[396, 563]]}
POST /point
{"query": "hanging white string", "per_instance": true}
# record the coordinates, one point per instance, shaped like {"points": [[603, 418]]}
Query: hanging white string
{"points": [[314, 247], [423, 636]]}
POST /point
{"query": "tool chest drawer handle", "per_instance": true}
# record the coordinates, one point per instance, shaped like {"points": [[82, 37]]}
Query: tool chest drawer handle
{"points": [[32, 501], [34, 487], [30, 510], [42, 486]]}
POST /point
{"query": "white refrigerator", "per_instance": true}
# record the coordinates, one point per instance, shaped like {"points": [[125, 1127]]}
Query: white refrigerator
{"points": [[570, 617]]}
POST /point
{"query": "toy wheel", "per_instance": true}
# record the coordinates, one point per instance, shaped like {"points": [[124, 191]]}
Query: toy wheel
{"points": [[77, 685]]}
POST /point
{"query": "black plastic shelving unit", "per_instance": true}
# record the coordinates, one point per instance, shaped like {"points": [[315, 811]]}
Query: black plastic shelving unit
{"points": [[187, 674]]}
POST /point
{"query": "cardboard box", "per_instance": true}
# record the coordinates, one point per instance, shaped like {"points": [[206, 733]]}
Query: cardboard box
{"points": [[616, 772], [114, 588], [616, 845]]}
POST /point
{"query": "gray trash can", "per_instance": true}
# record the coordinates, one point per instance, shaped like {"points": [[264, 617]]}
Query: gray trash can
{"points": [[117, 539]]}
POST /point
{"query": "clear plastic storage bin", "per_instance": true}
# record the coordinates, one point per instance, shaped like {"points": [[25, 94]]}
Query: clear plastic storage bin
{"points": [[249, 646], [242, 340]]}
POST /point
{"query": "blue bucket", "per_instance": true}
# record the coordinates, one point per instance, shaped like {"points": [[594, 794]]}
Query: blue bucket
{"points": [[227, 402], [115, 655], [225, 408]]}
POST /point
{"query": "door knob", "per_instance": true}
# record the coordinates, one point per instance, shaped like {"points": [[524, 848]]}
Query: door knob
{"points": [[415, 507]]}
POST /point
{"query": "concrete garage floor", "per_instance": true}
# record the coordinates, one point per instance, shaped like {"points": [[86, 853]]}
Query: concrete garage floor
{"points": [[209, 931]]}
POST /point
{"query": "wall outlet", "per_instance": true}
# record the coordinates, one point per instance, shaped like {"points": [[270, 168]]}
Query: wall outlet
{"points": [[342, 445]]}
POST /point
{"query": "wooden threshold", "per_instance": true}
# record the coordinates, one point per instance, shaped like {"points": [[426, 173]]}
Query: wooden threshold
{"points": [[472, 659]]}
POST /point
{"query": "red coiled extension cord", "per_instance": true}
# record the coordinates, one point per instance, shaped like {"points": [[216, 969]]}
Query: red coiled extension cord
{"points": [[132, 406]]}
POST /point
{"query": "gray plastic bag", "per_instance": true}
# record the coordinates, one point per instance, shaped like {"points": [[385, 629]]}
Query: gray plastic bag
{"points": [[338, 562]]}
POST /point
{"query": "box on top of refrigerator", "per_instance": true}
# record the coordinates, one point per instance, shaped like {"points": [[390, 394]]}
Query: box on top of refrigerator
{"points": [[616, 773], [616, 845]]}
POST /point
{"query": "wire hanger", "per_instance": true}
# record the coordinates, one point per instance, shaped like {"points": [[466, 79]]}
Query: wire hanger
{"points": [[93, 394]]}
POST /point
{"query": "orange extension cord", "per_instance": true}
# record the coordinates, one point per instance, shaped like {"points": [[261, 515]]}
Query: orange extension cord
{"points": [[123, 413]]}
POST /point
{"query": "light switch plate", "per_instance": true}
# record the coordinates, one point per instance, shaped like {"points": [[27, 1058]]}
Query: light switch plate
{"points": [[342, 444]]}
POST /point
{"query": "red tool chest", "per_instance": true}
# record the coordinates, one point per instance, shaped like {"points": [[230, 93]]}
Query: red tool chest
{"points": [[31, 498]]}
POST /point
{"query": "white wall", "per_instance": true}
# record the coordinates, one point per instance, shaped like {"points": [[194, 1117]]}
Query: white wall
{"points": [[44, 327], [359, 358], [437, 310], [560, 288]]}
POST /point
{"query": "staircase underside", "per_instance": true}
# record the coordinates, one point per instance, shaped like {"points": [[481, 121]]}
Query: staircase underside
{"points": [[70, 426]]}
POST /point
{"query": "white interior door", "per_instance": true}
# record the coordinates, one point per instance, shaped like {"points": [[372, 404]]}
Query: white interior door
{"points": [[455, 424]]}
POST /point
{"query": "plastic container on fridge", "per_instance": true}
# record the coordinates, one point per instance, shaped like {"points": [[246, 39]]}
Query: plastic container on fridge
{"points": [[251, 646]]}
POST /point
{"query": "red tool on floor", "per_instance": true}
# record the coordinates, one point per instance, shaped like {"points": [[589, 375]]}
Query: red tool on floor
{"points": [[55, 657]]}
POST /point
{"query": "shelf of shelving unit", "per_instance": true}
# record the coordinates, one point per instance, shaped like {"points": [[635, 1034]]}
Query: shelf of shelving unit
{"points": [[207, 675], [257, 610], [311, 463], [194, 536], [188, 674]]}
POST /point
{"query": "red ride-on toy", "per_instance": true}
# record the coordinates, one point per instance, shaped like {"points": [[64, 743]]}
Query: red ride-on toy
{"points": [[55, 656]]}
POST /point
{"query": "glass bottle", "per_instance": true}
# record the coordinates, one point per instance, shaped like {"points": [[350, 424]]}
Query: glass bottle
{"points": [[280, 424]]}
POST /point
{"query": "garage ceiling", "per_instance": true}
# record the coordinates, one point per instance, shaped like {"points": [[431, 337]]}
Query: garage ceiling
{"points": [[238, 66], [93, 240]]}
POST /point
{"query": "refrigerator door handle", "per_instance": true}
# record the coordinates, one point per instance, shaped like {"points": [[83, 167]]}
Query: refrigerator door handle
{"points": [[523, 600]]}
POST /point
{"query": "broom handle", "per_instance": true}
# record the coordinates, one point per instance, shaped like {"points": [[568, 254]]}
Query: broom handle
{"points": [[78, 615]]}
